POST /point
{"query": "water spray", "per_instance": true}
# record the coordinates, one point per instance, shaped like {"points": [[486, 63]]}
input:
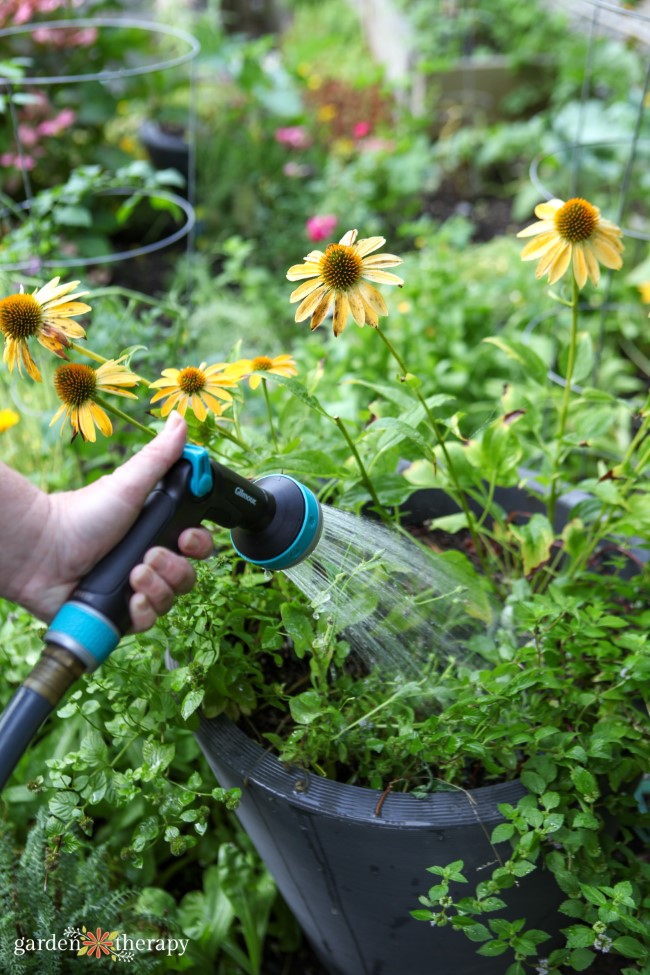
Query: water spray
{"points": [[275, 523]]}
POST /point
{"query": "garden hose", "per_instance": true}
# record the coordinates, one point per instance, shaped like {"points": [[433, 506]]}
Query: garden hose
{"points": [[275, 522]]}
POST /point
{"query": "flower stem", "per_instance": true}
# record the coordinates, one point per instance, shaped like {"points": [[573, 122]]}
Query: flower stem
{"points": [[270, 413], [564, 408], [87, 352], [116, 411], [224, 432], [435, 426], [362, 470]]}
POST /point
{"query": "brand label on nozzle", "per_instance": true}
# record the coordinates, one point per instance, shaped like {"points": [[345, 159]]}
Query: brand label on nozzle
{"points": [[239, 491]]}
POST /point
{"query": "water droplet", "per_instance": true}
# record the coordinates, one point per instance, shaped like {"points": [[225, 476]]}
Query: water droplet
{"points": [[316, 616]]}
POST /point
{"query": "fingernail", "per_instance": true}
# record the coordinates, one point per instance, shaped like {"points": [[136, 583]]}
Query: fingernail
{"points": [[193, 542], [174, 420]]}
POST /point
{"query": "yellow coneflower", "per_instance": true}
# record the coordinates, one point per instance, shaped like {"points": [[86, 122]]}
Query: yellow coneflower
{"points": [[8, 418], [281, 365], [572, 232], [341, 275], [45, 315], [78, 386], [203, 388]]}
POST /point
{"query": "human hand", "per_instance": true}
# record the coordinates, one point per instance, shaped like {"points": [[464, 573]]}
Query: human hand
{"points": [[79, 527]]}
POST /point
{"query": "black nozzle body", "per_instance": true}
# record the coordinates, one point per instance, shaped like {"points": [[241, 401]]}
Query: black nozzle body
{"points": [[190, 493]]}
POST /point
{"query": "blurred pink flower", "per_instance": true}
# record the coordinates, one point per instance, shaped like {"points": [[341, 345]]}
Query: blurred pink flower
{"points": [[293, 136], [27, 135], [11, 160], [22, 11], [53, 126], [65, 37], [321, 227], [361, 129]]}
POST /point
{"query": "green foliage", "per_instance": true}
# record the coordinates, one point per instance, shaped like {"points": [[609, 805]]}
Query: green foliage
{"points": [[86, 211], [458, 392]]}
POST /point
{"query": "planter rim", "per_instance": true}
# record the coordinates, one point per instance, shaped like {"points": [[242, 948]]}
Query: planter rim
{"points": [[111, 74], [186, 227], [309, 791]]}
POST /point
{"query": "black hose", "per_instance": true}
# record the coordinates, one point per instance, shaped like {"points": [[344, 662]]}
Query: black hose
{"points": [[19, 722], [55, 671]]}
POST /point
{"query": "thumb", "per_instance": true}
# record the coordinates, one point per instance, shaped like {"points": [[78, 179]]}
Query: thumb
{"points": [[133, 480]]}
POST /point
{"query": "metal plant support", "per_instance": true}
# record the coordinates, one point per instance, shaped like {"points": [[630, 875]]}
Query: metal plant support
{"points": [[188, 50]]}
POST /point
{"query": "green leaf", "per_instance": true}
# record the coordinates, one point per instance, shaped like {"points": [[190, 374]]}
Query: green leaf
{"points": [[630, 947], [297, 389], [74, 216], [532, 781], [93, 748], [535, 538], [397, 432], [580, 959], [420, 915], [493, 948], [526, 357], [62, 804], [298, 626], [191, 701], [145, 833], [585, 783], [579, 936], [306, 707], [502, 832], [156, 758]]}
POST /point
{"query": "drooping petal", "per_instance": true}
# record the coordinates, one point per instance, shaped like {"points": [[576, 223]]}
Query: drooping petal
{"points": [[593, 267], [84, 421], [62, 409], [305, 289], [356, 306], [169, 403], [580, 270], [606, 253], [321, 309], [30, 365], [559, 265], [373, 298], [101, 419], [341, 312], [538, 247], [212, 403], [550, 256], [372, 318], [306, 308], [198, 407]]}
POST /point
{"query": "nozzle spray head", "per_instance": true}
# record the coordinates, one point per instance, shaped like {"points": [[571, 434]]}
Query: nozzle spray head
{"points": [[293, 531]]}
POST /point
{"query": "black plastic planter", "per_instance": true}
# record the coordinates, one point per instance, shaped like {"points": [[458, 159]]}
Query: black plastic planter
{"points": [[351, 866]]}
